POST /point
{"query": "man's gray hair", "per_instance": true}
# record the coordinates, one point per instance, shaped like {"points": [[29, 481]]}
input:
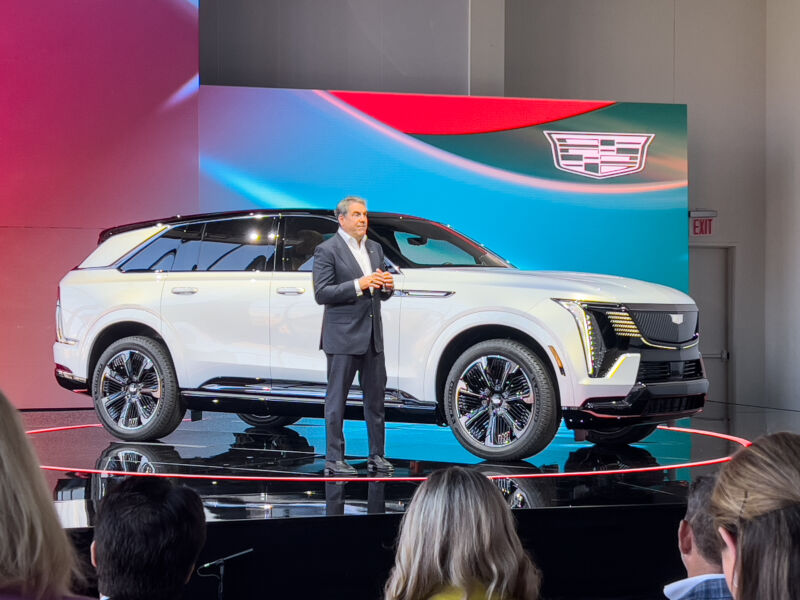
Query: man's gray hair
{"points": [[344, 205], [699, 517]]}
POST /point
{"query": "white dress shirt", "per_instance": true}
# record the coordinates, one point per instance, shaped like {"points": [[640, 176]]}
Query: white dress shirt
{"points": [[360, 254]]}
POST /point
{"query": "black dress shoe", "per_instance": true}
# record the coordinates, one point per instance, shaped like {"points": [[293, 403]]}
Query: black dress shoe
{"points": [[338, 467], [379, 464]]}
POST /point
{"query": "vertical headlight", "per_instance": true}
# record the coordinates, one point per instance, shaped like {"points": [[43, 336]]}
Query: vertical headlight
{"points": [[594, 349]]}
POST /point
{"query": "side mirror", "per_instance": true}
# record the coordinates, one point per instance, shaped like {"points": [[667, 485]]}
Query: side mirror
{"points": [[390, 267]]}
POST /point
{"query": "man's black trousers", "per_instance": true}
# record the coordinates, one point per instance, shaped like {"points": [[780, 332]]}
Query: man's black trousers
{"points": [[371, 367]]}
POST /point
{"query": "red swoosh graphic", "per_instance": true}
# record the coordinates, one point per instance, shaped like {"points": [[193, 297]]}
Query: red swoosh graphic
{"points": [[421, 114]]}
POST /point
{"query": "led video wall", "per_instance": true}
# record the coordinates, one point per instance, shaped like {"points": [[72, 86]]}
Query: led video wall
{"points": [[548, 184]]}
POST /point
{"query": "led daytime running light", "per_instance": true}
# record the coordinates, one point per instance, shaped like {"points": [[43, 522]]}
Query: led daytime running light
{"points": [[584, 328]]}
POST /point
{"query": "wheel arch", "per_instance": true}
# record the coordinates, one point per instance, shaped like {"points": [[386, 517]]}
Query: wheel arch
{"points": [[481, 333], [114, 332]]}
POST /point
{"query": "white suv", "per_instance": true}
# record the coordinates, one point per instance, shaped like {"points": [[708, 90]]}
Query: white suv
{"points": [[216, 312]]}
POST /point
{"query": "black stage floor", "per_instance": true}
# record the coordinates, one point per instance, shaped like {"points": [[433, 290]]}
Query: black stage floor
{"points": [[242, 472], [595, 518]]}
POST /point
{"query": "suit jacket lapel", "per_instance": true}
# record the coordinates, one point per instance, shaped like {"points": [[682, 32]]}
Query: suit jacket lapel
{"points": [[345, 254], [373, 256]]}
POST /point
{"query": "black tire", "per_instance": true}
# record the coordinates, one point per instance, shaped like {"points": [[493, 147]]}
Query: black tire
{"points": [[522, 393], [267, 421], [621, 436], [135, 390]]}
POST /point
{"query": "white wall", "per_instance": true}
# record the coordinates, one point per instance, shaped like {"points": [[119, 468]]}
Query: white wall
{"points": [[783, 204], [709, 54]]}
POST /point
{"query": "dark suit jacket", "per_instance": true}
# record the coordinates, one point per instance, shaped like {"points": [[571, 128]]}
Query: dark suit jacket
{"points": [[350, 321]]}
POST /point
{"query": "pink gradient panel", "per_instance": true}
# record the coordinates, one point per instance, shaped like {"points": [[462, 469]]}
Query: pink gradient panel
{"points": [[98, 122]]}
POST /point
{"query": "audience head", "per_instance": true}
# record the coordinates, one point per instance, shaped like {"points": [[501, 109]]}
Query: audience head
{"points": [[147, 536], [756, 508], [698, 539], [458, 531], [36, 557]]}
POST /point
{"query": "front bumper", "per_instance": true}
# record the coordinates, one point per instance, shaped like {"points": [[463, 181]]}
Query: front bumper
{"points": [[645, 404]]}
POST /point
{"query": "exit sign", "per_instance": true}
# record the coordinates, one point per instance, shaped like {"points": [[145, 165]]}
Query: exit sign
{"points": [[699, 226]]}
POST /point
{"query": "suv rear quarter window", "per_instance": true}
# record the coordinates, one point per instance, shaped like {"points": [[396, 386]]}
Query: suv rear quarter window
{"points": [[244, 244], [176, 250]]}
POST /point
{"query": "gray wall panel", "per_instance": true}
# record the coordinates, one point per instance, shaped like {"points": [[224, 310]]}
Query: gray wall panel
{"points": [[387, 45], [719, 74], [615, 49], [487, 47], [783, 205]]}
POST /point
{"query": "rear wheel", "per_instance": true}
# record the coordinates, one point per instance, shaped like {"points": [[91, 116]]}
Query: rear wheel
{"points": [[267, 420], [500, 401], [620, 436], [135, 390]]}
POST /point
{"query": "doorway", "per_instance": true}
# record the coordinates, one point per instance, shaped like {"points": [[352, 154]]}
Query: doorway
{"points": [[710, 269]]}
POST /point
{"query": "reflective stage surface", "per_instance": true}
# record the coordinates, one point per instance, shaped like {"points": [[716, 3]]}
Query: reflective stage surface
{"points": [[242, 472]]}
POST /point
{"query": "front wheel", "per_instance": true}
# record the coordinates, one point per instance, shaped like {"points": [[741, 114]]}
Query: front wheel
{"points": [[267, 420], [135, 390], [620, 436], [500, 401]]}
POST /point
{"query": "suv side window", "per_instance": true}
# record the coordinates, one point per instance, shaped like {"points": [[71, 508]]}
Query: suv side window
{"points": [[301, 235], [175, 250], [238, 245]]}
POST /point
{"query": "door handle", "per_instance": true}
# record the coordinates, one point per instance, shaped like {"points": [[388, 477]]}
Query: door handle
{"points": [[184, 291], [423, 293], [291, 291]]}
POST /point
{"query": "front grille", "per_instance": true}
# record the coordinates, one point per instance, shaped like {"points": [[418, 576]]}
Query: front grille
{"points": [[658, 406], [681, 370], [661, 326]]}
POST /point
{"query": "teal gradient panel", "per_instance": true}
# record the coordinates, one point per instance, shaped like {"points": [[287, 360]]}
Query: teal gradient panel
{"points": [[281, 148]]}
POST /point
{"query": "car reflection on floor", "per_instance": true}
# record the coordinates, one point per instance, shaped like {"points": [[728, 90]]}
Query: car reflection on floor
{"points": [[275, 473]]}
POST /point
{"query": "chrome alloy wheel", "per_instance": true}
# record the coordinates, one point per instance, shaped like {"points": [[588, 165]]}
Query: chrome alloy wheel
{"points": [[494, 399], [128, 461], [131, 387]]}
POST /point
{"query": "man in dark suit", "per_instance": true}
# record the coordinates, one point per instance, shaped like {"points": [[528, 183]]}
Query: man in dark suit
{"points": [[350, 283]]}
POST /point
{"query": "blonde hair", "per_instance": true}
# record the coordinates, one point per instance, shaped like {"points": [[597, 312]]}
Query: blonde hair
{"points": [[459, 531], [36, 557], [757, 500]]}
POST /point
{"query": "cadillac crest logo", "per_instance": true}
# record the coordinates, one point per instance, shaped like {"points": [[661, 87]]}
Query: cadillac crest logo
{"points": [[599, 155]]}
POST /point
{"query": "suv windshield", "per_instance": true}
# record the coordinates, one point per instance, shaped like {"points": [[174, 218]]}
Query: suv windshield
{"points": [[414, 243]]}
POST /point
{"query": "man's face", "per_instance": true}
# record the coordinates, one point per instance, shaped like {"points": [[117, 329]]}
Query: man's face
{"points": [[354, 222]]}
